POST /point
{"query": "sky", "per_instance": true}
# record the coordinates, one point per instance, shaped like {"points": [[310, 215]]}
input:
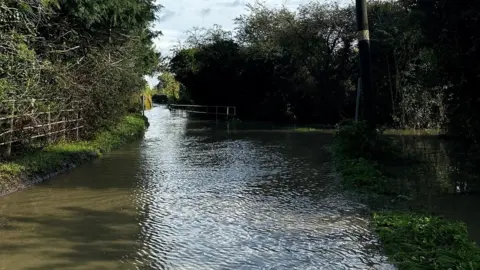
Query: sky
{"points": [[179, 16]]}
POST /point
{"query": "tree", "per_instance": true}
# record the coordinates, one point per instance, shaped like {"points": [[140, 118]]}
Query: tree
{"points": [[451, 31], [169, 87], [404, 69], [302, 66]]}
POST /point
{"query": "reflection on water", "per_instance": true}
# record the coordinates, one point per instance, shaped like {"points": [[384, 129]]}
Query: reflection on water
{"points": [[81, 220], [192, 195], [447, 183]]}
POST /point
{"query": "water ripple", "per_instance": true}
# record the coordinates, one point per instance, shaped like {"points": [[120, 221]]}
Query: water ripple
{"points": [[209, 199]]}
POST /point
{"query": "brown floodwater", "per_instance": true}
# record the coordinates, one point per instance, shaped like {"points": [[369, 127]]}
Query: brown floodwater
{"points": [[204, 195], [192, 195]]}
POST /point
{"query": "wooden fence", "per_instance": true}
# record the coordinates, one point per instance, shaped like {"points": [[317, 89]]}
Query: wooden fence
{"points": [[45, 121]]}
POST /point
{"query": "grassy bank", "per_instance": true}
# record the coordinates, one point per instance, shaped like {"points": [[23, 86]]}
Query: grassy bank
{"points": [[36, 166], [411, 240], [311, 129], [391, 132], [414, 132]]}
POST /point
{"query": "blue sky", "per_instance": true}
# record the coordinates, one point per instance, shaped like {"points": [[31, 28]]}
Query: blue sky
{"points": [[179, 16]]}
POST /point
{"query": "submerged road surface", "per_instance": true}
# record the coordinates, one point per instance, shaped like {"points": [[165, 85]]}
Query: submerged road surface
{"points": [[192, 195]]}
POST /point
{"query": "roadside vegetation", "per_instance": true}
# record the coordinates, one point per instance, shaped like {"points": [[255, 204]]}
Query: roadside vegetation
{"points": [[147, 94], [89, 57], [420, 241], [411, 238], [94, 53]]}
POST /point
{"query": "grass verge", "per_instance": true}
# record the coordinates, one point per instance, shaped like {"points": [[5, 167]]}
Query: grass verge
{"points": [[305, 129], [411, 240], [33, 167], [414, 132]]}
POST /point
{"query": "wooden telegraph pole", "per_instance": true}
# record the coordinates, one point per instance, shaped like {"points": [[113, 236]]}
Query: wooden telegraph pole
{"points": [[143, 104], [365, 61]]}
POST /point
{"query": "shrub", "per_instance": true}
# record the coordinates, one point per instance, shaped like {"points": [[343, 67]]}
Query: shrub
{"points": [[417, 241], [357, 140], [361, 175]]}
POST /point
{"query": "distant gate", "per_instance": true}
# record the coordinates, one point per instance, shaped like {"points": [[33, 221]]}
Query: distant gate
{"points": [[218, 111]]}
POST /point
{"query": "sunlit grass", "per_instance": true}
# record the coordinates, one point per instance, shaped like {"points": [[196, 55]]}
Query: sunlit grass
{"points": [[305, 129], [310, 129], [413, 132]]}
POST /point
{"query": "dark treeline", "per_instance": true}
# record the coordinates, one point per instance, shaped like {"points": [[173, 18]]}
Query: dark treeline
{"points": [[303, 66]]}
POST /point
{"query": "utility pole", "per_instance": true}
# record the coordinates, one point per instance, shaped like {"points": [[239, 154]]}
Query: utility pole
{"points": [[143, 105], [365, 61]]}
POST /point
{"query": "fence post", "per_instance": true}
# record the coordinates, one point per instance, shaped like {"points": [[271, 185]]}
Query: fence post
{"points": [[216, 113], [64, 127], [228, 112], [32, 115], [49, 115], [32, 103], [77, 128], [12, 130]]}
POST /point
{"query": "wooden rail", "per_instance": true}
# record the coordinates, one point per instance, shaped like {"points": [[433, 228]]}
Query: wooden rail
{"points": [[24, 120], [228, 111]]}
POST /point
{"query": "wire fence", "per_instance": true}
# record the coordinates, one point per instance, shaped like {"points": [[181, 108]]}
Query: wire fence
{"points": [[25, 121]]}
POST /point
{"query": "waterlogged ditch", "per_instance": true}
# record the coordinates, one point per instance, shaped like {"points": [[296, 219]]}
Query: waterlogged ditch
{"points": [[404, 183]]}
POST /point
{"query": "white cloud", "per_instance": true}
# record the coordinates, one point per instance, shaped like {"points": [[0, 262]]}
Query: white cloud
{"points": [[179, 16]]}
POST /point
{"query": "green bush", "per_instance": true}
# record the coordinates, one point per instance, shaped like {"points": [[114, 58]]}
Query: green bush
{"points": [[361, 175], [357, 140], [356, 149], [416, 241]]}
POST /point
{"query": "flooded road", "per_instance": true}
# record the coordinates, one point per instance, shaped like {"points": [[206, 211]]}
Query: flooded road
{"points": [[192, 195]]}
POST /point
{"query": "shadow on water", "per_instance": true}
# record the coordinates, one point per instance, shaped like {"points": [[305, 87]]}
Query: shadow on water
{"points": [[70, 238], [82, 219], [445, 182]]}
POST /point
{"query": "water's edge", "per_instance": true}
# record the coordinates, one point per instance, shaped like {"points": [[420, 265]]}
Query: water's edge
{"points": [[13, 183], [24, 181]]}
